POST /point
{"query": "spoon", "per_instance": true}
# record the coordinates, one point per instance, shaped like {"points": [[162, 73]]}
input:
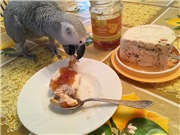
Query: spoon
{"points": [[177, 57], [141, 104]]}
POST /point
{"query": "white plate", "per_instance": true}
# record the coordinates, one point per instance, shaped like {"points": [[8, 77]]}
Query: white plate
{"points": [[40, 117], [149, 78], [148, 70]]}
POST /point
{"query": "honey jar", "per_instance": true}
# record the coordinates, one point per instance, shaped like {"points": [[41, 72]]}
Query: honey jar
{"points": [[106, 20]]}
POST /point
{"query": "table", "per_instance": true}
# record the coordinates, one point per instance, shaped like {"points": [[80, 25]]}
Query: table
{"points": [[166, 95]]}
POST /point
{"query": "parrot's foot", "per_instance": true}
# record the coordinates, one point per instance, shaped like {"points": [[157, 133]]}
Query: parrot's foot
{"points": [[24, 53], [54, 50]]}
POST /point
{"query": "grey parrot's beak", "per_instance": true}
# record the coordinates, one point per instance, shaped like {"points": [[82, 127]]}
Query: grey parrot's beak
{"points": [[80, 51], [73, 49]]}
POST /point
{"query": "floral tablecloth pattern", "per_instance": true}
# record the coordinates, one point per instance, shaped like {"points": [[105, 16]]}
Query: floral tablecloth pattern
{"points": [[127, 121], [16, 71]]}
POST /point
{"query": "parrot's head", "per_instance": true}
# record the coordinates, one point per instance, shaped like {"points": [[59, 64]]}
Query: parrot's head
{"points": [[73, 36]]}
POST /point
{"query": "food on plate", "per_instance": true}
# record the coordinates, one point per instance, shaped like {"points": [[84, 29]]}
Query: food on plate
{"points": [[147, 45], [64, 84]]}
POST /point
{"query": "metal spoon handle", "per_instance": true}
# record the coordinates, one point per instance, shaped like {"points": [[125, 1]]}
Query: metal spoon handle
{"points": [[175, 57], [135, 104]]}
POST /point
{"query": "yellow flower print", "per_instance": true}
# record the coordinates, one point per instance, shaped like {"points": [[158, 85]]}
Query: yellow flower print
{"points": [[175, 22]]}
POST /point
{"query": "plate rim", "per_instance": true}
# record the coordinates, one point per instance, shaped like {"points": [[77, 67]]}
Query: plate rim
{"points": [[110, 115]]}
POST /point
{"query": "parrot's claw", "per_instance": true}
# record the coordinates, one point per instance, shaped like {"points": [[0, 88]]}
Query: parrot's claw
{"points": [[73, 49], [54, 50], [25, 53]]}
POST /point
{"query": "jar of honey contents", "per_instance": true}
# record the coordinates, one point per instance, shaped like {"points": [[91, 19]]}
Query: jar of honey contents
{"points": [[106, 20]]}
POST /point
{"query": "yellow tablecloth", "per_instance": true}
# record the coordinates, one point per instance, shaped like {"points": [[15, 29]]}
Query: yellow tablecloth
{"points": [[134, 121], [166, 96]]}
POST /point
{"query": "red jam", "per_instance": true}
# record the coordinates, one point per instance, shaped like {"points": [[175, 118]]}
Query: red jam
{"points": [[106, 45], [67, 76]]}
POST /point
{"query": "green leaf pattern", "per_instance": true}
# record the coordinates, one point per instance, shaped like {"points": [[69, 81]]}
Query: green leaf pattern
{"points": [[136, 126]]}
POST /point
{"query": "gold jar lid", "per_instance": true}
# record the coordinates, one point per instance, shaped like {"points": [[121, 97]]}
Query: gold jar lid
{"points": [[99, 2]]}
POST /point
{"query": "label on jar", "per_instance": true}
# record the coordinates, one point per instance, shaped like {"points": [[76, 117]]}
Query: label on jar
{"points": [[106, 33]]}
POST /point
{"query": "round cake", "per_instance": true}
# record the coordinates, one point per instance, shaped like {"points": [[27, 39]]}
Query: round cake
{"points": [[147, 45]]}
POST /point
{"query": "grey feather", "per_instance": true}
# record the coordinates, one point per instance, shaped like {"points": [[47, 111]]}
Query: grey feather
{"points": [[27, 19]]}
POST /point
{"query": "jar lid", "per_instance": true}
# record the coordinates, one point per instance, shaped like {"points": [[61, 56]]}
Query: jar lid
{"points": [[98, 2]]}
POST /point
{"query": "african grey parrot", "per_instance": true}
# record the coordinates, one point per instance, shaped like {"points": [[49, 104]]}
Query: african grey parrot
{"points": [[34, 19]]}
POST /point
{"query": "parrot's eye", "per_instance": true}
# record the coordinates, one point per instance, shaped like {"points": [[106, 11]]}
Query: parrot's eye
{"points": [[68, 31]]}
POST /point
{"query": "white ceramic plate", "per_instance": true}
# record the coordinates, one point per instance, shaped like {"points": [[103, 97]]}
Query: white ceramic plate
{"points": [[40, 117], [149, 70], [142, 77]]}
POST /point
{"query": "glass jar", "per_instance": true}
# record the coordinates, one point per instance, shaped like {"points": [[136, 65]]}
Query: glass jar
{"points": [[106, 20]]}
